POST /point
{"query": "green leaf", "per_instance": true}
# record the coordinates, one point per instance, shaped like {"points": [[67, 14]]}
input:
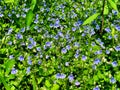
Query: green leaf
{"points": [[106, 10], [34, 82], [9, 1], [2, 79], [55, 87], [33, 3], [47, 83], [91, 18], [8, 66], [29, 18], [113, 4]]}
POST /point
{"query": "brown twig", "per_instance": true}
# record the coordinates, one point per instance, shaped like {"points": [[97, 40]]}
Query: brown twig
{"points": [[102, 22]]}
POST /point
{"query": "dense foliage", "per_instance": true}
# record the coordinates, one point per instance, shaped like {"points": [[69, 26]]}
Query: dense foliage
{"points": [[56, 45]]}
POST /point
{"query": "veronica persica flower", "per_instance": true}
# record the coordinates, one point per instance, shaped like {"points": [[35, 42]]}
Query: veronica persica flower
{"points": [[96, 88], [14, 71], [114, 63], [112, 80]]}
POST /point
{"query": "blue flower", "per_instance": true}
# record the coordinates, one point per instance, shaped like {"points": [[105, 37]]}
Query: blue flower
{"points": [[11, 57], [30, 62], [114, 64], [10, 42], [19, 36], [71, 77], [1, 15], [28, 70], [60, 75], [96, 61], [68, 47], [73, 29], [22, 30], [48, 44], [76, 55], [107, 30], [38, 49], [112, 80], [96, 88], [117, 48], [84, 57], [107, 52], [39, 62], [97, 27], [117, 27], [21, 58], [30, 46], [94, 67], [64, 50], [77, 83], [14, 71], [114, 12], [67, 63]]}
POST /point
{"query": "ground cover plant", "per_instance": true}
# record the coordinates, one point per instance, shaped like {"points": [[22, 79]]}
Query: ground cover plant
{"points": [[59, 45]]}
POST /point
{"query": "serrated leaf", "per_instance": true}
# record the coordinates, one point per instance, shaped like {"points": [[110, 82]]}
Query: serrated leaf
{"points": [[91, 18], [29, 18], [106, 10], [113, 4]]}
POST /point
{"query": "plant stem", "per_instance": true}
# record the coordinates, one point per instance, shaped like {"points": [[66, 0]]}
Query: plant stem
{"points": [[102, 22]]}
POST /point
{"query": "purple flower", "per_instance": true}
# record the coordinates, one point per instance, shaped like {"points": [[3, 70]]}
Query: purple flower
{"points": [[1, 15], [71, 77], [97, 27], [96, 61], [96, 88], [64, 50], [14, 71], [21, 58], [112, 80], [114, 64]]}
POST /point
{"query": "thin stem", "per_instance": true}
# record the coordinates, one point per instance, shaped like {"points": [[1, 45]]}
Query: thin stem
{"points": [[102, 22]]}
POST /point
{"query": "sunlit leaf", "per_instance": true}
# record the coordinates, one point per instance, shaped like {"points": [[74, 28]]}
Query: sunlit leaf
{"points": [[91, 18], [33, 3], [113, 4], [9, 1], [29, 18], [106, 10]]}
